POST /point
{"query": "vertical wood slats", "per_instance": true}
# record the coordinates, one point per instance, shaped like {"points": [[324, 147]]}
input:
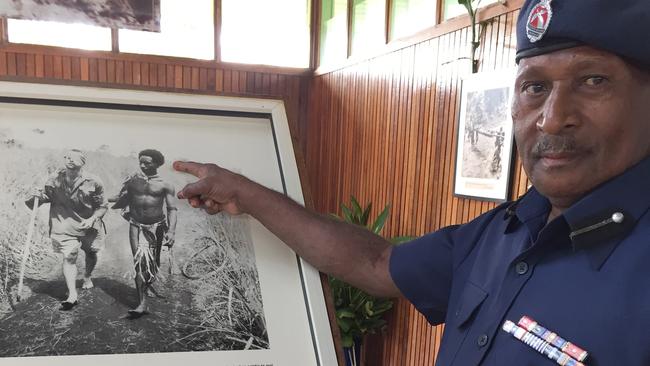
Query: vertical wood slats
{"points": [[109, 71], [385, 130]]}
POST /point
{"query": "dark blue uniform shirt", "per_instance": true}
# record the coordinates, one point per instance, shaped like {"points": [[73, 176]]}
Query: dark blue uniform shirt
{"points": [[591, 288]]}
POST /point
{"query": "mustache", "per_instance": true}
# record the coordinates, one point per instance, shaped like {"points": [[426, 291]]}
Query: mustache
{"points": [[553, 144]]}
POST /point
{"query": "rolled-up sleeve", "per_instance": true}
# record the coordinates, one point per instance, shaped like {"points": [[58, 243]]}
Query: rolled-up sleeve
{"points": [[425, 268], [422, 270]]}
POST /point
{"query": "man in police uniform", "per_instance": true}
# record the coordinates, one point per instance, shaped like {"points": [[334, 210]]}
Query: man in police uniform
{"points": [[572, 253]]}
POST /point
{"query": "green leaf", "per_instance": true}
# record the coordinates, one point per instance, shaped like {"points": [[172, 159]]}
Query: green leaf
{"points": [[347, 214], [366, 215], [358, 298], [347, 341], [356, 208], [401, 239], [345, 313], [368, 308], [375, 324], [334, 216], [382, 307], [378, 225], [355, 294], [344, 324]]}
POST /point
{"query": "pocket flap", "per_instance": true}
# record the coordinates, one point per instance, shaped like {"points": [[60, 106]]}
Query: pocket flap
{"points": [[471, 298]]}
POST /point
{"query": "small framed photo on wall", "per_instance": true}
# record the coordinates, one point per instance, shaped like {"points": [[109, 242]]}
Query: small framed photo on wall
{"points": [[485, 137]]}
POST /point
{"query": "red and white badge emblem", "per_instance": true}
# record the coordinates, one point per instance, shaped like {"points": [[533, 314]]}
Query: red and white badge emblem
{"points": [[539, 20]]}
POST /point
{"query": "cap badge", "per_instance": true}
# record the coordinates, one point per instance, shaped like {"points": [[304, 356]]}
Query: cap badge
{"points": [[539, 20]]}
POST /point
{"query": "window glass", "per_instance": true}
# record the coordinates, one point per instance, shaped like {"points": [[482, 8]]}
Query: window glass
{"points": [[49, 33], [265, 32], [410, 16], [451, 8], [368, 25], [185, 31], [334, 27]]}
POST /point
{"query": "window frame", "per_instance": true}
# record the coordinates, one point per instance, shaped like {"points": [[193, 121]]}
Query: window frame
{"points": [[440, 26], [312, 60], [389, 17], [387, 5], [216, 61], [317, 34]]}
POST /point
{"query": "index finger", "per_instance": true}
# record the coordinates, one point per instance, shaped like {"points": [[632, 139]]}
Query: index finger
{"points": [[190, 167]]}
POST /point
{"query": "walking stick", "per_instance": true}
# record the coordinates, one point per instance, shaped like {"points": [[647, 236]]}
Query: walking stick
{"points": [[171, 260], [28, 241]]}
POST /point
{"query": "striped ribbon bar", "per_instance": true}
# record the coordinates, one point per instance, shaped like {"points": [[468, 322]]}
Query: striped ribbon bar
{"points": [[540, 345], [565, 346]]}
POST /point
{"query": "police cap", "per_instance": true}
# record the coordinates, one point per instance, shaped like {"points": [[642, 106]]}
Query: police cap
{"points": [[621, 27]]}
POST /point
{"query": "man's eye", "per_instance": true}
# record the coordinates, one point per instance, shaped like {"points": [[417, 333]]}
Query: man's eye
{"points": [[594, 80], [533, 88]]}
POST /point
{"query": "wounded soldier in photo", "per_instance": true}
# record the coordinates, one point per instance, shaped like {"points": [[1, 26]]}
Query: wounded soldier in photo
{"points": [[147, 203], [77, 206]]}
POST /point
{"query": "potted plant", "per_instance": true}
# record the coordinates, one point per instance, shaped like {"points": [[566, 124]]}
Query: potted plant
{"points": [[358, 313]]}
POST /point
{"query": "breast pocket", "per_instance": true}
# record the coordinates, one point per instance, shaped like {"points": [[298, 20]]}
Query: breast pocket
{"points": [[470, 301]]}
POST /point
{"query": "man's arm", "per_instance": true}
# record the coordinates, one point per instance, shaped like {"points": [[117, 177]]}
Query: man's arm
{"points": [[170, 236], [121, 199], [100, 199], [99, 202], [43, 193], [37, 193], [351, 253]]}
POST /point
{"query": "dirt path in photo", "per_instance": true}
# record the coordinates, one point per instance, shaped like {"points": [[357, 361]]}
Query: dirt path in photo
{"points": [[99, 324], [477, 159]]}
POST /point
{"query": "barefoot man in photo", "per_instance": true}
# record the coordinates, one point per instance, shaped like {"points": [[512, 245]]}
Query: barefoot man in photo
{"points": [[77, 206], [145, 198]]}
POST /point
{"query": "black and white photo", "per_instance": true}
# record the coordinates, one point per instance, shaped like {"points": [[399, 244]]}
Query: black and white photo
{"points": [[116, 265], [484, 149]]}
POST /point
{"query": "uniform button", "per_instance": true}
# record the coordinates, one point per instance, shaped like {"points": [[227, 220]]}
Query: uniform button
{"points": [[521, 268], [618, 217], [482, 340]]}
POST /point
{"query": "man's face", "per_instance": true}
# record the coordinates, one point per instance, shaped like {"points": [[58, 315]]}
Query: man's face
{"points": [[72, 161], [581, 116], [147, 165]]}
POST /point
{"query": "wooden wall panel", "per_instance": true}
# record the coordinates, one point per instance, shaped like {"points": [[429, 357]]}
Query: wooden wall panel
{"points": [[385, 130], [40, 64]]}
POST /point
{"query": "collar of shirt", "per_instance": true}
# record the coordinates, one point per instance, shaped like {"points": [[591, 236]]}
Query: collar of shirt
{"points": [[625, 194], [590, 219], [532, 210], [71, 187]]}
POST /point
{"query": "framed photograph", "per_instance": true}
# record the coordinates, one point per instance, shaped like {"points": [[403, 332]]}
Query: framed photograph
{"points": [[485, 137], [124, 14], [88, 204]]}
